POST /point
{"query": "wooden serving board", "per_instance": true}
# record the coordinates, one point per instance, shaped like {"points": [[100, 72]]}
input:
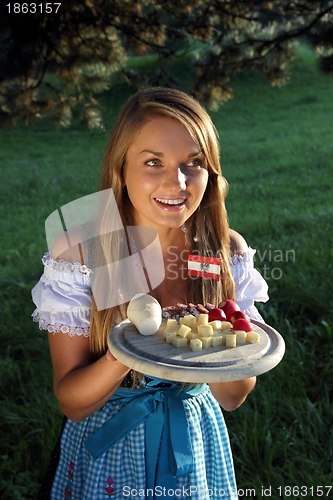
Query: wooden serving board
{"points": [[152, 356]]}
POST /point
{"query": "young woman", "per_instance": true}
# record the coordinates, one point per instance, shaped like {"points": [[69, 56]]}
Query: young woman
{"points": [[162, 165]]}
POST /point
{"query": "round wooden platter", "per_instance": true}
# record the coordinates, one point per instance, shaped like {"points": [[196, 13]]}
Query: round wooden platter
{"points": [[152, 356]]}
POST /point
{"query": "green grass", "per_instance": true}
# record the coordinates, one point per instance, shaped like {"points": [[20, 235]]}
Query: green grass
{"points": [[276, 152]]}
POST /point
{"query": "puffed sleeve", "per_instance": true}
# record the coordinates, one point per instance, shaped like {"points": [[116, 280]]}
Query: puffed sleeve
{"points": [[250, 286], [62, 298]]}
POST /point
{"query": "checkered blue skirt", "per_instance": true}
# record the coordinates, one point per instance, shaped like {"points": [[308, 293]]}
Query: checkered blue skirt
{"points": [[120, 471]]}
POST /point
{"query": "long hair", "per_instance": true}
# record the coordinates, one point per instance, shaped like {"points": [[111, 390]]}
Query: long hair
{"points": [[209, 222]]}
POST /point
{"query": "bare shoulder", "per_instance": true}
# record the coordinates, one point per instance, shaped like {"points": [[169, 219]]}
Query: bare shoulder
{"points": [[238, 245], [68, 246]]}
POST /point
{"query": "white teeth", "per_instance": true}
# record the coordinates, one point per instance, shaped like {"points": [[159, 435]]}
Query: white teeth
{"points": [[171, 202]]}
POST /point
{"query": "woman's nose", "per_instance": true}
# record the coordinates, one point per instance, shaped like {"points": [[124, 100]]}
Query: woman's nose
{"points": [[176, 179]]}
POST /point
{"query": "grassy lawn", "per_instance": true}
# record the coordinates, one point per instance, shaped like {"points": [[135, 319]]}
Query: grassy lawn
{"points": [[276, 153]]}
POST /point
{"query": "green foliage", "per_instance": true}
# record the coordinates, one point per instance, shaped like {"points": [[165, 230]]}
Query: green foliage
{"points": [[284, 177], [29, 414], [276, 150], [54, 63]]}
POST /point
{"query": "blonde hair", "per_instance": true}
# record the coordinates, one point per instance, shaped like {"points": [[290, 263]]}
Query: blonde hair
{"points": [[209, 222]]}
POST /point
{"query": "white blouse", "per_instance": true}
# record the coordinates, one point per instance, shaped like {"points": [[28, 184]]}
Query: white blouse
{"points": [[63, 294]]}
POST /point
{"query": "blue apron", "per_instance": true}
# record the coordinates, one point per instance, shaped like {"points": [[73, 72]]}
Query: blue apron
{"points": [[169, 452]]}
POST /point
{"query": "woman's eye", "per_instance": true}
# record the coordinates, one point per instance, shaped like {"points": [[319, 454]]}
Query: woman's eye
{"points": [[153, 163], [196, 163]]}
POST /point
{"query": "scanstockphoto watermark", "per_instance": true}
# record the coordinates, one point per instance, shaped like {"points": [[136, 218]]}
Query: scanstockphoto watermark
{"points": [[134, 263], [271, 261], [287, 491], [187, 492]]}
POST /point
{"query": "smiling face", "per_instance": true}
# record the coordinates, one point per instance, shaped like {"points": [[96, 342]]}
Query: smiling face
{"points": [[165, 174]]}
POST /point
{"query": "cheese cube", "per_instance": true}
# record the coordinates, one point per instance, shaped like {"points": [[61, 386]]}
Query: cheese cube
{"points": [[241, 336], [252, 337], [205, 330], [179, 341], [225, 325], [168, 330], [195, 345], [216, 324], [172, 323], [192, 335], [189, 320], [202, 319], [183, 331], [216, 340], [206, 342], [230, 340], [224, 336], [169, 336]]}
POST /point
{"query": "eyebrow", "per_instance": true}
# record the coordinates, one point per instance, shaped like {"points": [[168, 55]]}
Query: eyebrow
{"points": [[161, 155]]}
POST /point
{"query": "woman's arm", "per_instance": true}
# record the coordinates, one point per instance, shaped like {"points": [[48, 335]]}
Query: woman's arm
{"points": [[238, 245], [230, 395], [82, 386]]}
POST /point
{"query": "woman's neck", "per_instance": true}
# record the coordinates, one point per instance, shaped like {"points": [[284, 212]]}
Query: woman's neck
{"points": [[173, 289], [172, 238]]}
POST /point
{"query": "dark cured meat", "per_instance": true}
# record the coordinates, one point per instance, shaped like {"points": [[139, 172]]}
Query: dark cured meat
{"points": [[184, 308], [192, 309], [180, 310], [170, 312], [202, 309]]}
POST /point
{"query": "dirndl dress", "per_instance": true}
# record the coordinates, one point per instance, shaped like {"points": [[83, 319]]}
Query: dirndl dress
{"points": [[160, 440], [151, 442]]}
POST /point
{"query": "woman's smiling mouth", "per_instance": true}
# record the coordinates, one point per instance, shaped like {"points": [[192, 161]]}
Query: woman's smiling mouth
{"points": [[171, 203]]}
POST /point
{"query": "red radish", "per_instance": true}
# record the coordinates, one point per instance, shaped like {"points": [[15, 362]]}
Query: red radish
{"points": [[242, 324], [237, 315], [229, 307], [216, 314]]}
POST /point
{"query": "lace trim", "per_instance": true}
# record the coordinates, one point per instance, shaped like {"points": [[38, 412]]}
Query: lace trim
{"points": [[246, 257], [58, 328], [64, 266]]}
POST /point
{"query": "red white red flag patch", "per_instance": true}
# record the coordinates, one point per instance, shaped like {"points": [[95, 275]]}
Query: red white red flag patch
{"points": [[204, 267]]}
